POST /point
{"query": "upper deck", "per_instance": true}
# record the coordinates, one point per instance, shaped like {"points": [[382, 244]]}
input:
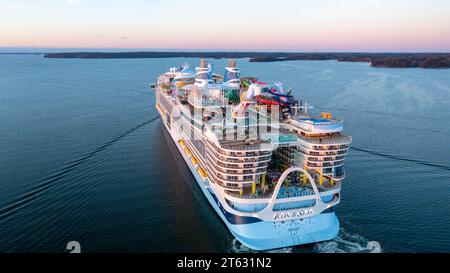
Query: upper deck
{"points": [[321, 125], [253, 141]]}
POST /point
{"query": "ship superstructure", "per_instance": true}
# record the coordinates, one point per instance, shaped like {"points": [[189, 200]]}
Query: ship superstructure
{"points": [[270, 169]]}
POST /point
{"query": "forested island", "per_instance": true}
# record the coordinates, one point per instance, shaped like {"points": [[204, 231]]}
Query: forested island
{"points": [[394, 60]]}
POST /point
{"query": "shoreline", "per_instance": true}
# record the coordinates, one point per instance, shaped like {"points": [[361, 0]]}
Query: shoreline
{"points": [[377, 60]]}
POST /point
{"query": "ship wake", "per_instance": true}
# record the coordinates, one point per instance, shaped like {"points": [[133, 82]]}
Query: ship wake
{"points": [[46, 183], [347, 242], [400, 158], [237, 247]]}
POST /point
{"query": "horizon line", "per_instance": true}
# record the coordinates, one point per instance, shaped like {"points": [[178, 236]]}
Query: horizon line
{"points": [[42, 50]]}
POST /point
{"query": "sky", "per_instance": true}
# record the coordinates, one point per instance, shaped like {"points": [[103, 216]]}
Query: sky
{"points": [[240, 25]]}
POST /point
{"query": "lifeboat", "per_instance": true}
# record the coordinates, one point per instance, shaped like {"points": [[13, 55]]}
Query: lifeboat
{"points": [[194, 160], [182, 143], [187, 150], [160, 109], [202, 172]]}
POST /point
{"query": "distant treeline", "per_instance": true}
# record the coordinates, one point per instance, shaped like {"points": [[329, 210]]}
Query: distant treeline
{"points": [[395, 60], [126, 55]]}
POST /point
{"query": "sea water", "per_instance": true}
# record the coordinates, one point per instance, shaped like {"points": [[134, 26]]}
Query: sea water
{"points": [[83, 157]]}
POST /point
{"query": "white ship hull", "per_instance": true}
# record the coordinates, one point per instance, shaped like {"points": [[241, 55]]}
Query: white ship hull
{"points": [[265, 235]]}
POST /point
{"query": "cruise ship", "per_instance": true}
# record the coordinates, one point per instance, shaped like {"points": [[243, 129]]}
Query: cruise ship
{"points": [[269, 168]]}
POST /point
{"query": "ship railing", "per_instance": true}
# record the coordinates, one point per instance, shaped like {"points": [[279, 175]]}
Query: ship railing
{"points": [[234, 150], [236, 171], [281, 195], [335, 146], [333, 140], [326, 158], [239, 160], [317, 122], [282, 138], [340, 176], [325, 164], [249, 196], [327, 153], [252, 147], [287, 193], [237, 180], [292, 191], [314, 119], [241, 165], [324, 190], [238, 155]]}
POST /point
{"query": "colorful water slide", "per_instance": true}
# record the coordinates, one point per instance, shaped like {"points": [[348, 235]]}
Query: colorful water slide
{"points": [[246, 100]]}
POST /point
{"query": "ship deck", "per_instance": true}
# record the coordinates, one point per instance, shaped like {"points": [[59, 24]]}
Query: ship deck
{"points": [[336, 139], [242, 145], [290, 189]]}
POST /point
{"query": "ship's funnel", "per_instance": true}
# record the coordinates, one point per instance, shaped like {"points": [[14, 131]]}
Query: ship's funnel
{"points": [[203, 63], [232, 63], [232, 74], [204, 75]]}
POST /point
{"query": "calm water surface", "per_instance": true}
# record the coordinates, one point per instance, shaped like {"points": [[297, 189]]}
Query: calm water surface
{"points": [[84, 157]]}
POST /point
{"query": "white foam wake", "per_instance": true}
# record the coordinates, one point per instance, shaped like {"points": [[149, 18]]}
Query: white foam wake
{"points": [[347, 242], [237, 247]]}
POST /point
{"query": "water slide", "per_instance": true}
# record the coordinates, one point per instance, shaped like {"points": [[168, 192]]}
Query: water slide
{"points": [[246, 100]]}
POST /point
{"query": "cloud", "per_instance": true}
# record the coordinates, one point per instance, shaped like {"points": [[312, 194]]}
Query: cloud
{"points": [[73, 2]]}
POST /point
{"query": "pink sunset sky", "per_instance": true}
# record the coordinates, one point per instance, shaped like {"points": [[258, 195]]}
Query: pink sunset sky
{"points": [[281, 25]]}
